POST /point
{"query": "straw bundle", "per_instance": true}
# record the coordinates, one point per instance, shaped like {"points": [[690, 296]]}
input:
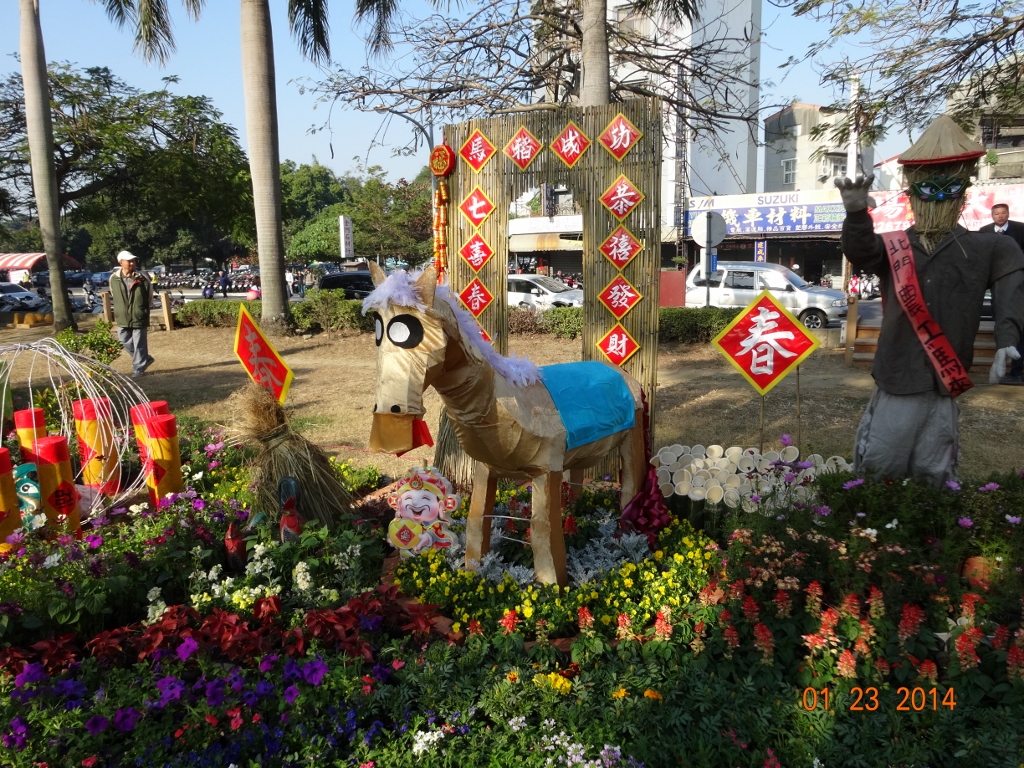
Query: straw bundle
{"points": [[260, 421], [934, 219]]}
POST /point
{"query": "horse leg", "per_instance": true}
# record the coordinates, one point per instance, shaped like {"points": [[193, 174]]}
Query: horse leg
{"points": [[575, 483], [633, 455], [546, 530], [478, 523]]}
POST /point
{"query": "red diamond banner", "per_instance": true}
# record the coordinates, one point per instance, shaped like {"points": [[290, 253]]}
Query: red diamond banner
{"points": [[476, 252], [523, 148], [619, 137], [259, 358], [765, 342], [621, 198], [476, 207], [485, 335], [570, 144], [477, 151], [476, 297], [619, 297], [64, 498], [617, 345], [620, 247]]}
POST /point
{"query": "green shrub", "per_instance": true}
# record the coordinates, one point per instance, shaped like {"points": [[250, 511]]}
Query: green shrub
{"points": [[215, 313], [330, 311], [693, 325], [563, 322], [99, 343]]}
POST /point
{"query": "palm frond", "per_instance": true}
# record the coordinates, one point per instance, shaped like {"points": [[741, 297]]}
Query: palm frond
{"points": [[380, 14], [676, 11], [308, 22]]}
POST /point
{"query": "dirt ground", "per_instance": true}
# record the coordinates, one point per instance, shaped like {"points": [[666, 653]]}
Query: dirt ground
{"points": [[700, 397]]}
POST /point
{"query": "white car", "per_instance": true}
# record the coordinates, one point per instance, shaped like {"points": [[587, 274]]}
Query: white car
{"points": [[541, 292], [737, 283], [15, 292]]}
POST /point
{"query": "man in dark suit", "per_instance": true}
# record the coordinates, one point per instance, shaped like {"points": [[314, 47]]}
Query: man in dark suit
{"points": [[1001, 224]]}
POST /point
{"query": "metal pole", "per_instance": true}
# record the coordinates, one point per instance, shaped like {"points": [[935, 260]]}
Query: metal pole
{"points": [[762, 425], [707, 263], [798, 443]]}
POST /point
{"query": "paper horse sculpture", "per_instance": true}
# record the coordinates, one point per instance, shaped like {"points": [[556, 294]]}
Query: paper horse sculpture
{"points": [[515, 420]]}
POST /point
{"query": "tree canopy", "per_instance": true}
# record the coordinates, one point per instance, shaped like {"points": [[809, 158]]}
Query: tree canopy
{"points": [[389, 220], [140, 170]]}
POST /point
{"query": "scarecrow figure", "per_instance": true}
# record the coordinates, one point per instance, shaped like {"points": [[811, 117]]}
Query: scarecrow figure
{"points": [[933, 279], [423, 503]]}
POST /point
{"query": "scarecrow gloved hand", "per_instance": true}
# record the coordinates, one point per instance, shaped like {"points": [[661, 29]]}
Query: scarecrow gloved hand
{"points": [[855, 193], [998, 369]]}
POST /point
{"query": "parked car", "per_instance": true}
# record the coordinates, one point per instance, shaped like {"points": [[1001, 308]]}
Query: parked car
{"points": [[541, 292], [737, 283], [357, 285], [15, 292], [100, 279]]}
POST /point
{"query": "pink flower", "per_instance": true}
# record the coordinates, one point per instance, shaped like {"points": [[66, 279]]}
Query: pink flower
{"points": [[989, 487], [853, 483], [953, 485], [397, 664], [786, 440], [965, 522]]}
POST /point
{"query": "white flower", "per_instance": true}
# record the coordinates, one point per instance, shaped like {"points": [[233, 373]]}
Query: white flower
{"points": [[893, 524], [197, 476], [870, 532], [424, 741], [301, 576], [214, 573], [52, 560], [153, 594]]}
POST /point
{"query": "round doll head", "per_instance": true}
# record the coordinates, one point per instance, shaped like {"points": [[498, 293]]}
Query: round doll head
{"points": [[423, 496]]}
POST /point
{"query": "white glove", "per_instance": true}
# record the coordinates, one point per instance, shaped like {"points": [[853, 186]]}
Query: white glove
{"points": [[855, 193], [1003, 357]]}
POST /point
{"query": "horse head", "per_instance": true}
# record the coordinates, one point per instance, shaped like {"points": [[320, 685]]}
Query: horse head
{"points": [[411, 343]]}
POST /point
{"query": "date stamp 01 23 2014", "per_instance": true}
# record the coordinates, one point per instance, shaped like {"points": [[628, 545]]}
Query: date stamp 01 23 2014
{"points": [[867, 700]]}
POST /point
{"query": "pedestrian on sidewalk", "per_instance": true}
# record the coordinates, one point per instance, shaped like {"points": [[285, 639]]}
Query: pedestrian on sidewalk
{"points": [[308, 281], [224, 282], [289, 281], [132, 294]]}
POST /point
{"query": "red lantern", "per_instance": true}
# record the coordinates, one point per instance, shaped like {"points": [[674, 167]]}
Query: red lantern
{"points": [[442, 160]]}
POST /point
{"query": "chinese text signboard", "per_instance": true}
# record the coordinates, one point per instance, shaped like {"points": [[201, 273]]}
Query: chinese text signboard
{"points": [[259, 358], [765, 342]]}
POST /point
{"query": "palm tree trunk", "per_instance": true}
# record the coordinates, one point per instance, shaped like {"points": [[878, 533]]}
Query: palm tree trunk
{"points": [[260, 90], [596, 89], [39, 127]]}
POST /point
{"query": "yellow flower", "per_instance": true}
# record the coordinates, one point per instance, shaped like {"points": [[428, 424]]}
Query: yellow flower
{"points": [[513, 676], [456, 626], [650, 693], [658, 555], [620, 694]]}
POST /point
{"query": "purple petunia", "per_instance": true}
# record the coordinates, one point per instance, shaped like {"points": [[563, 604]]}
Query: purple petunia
{"points": [[965, 522], [989, 487], [292, 670], [853, 483], [31, 673], [291, 693], [215, 693], [125, 719], [264, 688], [198, 504], [953, 485], [1013, 519], [786, 440], [96, 724], [94, 540], [313, 672], [187, 648], [267, 662]]}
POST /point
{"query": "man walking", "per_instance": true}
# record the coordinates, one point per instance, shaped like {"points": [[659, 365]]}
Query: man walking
{"points": [[289, 281], [308, 281], [1001, 225], [132, 294], [224, 282]]}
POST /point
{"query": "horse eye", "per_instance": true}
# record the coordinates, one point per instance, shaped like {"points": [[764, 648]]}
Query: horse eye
{"points": [[378, 328], [405, 331]]}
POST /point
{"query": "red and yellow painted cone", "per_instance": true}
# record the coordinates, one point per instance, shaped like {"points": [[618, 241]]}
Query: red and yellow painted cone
{"points": [[93, 425], [57, 485], [139, 414], [164, 464], [10, 509], [30, 425]]}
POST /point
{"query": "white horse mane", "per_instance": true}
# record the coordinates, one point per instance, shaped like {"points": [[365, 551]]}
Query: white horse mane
{"points": [[400, 289]]}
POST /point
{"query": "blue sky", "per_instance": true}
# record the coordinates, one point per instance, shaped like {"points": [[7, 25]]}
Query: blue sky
{"points": [[208, 62]]}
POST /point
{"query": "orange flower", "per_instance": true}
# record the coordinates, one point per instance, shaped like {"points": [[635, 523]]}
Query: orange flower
{"points": [[650, 693], [512, 677], [620, 694]]}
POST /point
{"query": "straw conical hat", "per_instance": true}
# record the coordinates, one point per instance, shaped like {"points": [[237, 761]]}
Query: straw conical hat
{"points": [[942, 142]]}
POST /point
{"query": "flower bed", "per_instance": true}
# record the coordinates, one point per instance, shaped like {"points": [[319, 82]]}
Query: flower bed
{"points": [[144, 643]]}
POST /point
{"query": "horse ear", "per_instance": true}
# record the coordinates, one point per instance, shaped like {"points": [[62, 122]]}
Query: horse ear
{"points": [[426, 284], [376, 273]]}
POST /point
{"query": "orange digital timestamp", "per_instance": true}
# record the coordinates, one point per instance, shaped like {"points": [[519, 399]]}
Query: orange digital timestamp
{"points": [[866, 699]]}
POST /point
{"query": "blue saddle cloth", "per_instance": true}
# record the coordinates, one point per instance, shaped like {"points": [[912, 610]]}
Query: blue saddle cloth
{"points": [[592, 400]]}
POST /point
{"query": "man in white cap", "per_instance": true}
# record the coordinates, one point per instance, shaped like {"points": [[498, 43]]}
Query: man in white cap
{"points": [[933, 279], [132, 294]]}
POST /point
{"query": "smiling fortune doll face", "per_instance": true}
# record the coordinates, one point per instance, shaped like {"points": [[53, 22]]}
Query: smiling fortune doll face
{"points": [[423, 496]]}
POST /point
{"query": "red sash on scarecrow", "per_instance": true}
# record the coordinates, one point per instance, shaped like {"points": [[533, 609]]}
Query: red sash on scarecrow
{"points": [[908, 292]]}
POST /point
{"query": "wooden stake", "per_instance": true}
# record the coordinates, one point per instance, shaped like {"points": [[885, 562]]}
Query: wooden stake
{"points": [[798, 444], [762, 425]]}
